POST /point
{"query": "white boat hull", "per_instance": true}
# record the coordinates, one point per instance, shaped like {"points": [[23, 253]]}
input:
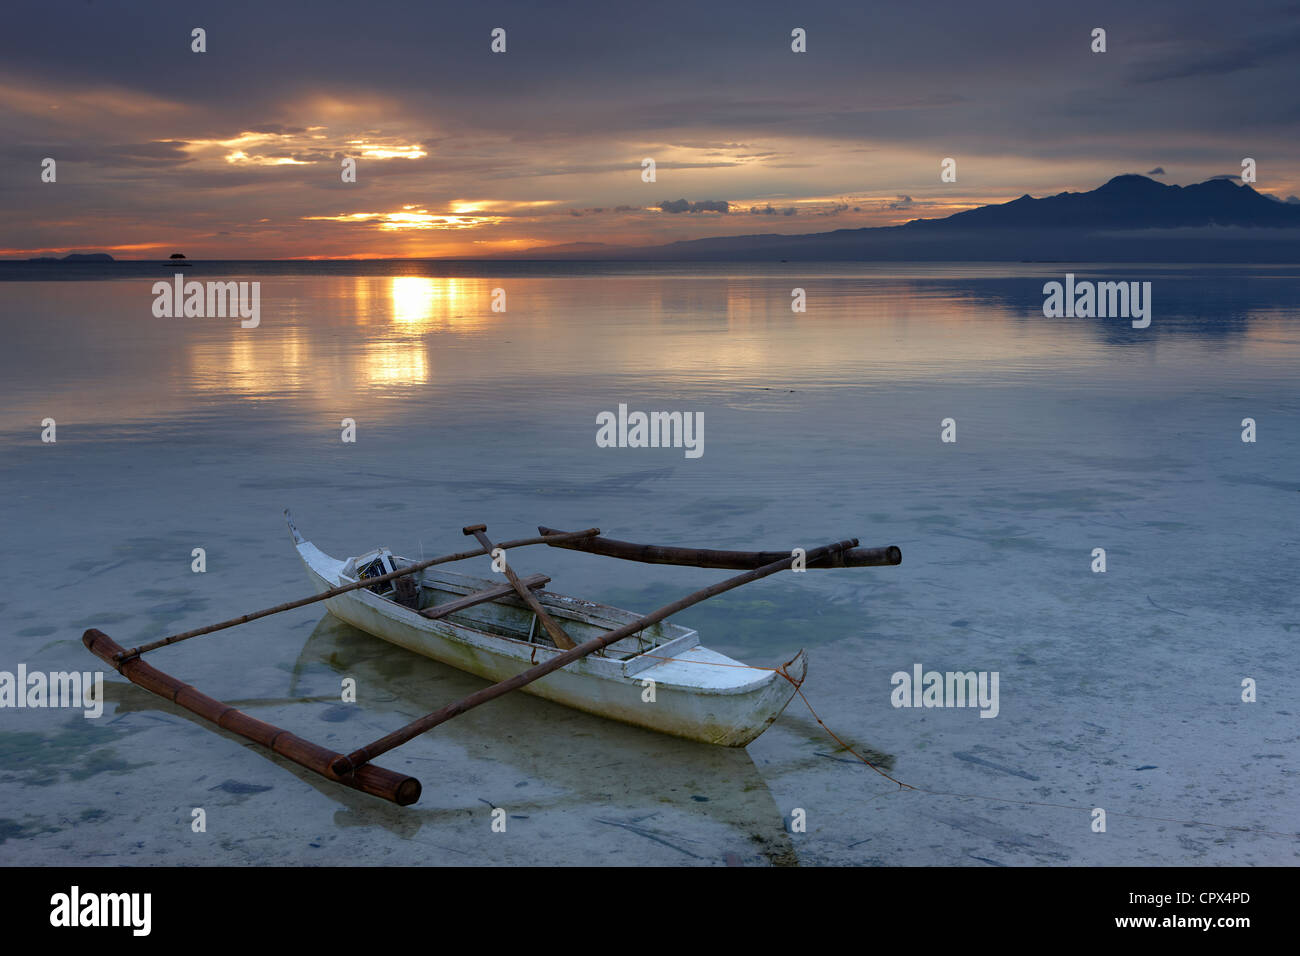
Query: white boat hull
{"points": [[697, 693]]}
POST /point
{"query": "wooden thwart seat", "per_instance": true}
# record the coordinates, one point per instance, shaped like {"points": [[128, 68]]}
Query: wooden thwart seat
{"points": [[560, 638], [532, 582]]}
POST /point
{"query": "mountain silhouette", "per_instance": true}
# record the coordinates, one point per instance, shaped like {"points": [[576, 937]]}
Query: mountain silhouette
{"points": [[1128, 219], [1131, 202]]}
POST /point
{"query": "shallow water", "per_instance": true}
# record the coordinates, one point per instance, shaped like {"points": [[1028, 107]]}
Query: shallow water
{"points": [[1118, 690]]}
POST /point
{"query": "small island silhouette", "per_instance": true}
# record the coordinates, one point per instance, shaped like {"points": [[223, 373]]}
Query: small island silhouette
{"points": [[77, 257]]}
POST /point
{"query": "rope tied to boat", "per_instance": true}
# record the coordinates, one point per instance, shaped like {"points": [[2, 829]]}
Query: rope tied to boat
{"points": [[798, 689]]}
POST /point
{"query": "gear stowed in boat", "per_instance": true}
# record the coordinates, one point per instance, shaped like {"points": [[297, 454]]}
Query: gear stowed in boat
{"points": [[585, 655]]}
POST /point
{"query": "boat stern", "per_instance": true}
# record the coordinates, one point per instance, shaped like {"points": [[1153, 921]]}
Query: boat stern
{"points": [[772, 701], [796, 669]]}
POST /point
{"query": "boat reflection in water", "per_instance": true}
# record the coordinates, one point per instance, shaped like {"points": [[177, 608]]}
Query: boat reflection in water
{"points": [[591, 790]]}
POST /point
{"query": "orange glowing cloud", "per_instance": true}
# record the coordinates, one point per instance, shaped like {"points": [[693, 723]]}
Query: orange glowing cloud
{"points": [[411, 217], [300, 147]]}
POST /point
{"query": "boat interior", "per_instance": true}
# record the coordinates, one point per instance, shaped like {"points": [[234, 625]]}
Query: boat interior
{"points": [[493, 607]]}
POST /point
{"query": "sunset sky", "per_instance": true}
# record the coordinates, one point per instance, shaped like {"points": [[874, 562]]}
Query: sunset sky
{"points": [[236, 152]]}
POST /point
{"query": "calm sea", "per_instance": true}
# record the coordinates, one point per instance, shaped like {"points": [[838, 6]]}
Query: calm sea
{"points": [[1119, 690]]}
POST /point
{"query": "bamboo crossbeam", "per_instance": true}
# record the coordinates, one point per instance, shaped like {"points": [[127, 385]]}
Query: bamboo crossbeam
{"points": [[363, 755], [135, 652]]}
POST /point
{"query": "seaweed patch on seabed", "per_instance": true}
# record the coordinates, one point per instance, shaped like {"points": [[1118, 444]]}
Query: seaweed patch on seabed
{"points": [[11, 829], [76, 751]]}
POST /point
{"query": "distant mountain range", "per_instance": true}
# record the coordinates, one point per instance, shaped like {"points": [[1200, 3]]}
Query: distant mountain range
{"points": [[1132, 202], [1130, 218]]}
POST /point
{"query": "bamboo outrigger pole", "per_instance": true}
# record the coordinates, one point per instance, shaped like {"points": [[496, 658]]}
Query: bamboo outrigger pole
{"points": [[713, 558], [361, 757], [135, 652]]}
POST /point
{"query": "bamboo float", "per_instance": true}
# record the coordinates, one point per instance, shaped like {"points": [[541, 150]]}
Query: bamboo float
{"points": [[360, 757], [135, 652], [712, 558], [376, 781]]}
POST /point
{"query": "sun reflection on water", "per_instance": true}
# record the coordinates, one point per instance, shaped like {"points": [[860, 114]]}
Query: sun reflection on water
{"points": [[420, 303]]}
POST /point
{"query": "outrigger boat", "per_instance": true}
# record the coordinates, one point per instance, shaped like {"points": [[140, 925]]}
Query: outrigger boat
{"points": [[585, 655], [699, 694]]}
